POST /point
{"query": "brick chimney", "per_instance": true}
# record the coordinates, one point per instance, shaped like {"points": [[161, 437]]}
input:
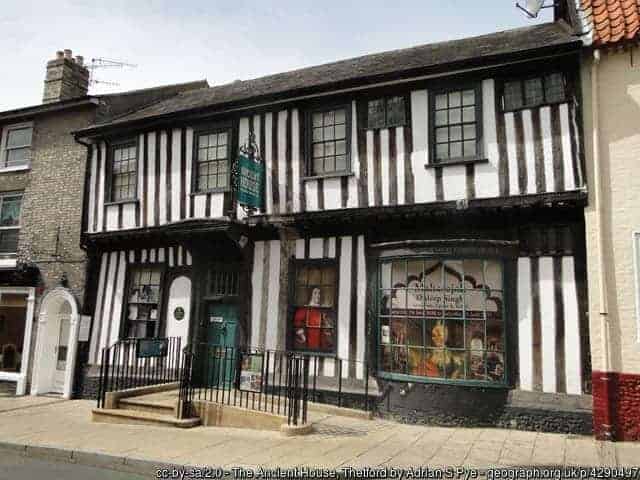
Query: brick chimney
{"points": [[66, 78]]}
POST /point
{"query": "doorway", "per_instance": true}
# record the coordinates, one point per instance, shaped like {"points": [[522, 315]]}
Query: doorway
{"points": [[221, 320], [56, 344]]}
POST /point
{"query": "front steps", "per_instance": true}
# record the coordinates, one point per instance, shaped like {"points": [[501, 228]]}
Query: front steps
{"points": [[140, 411]]}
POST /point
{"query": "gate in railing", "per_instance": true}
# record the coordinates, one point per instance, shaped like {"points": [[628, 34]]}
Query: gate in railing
{"points": [[139, 362], [272, 381]]}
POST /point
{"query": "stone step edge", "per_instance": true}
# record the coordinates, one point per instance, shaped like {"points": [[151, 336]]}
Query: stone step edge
{"points": [[147, 416], [151, 404]]}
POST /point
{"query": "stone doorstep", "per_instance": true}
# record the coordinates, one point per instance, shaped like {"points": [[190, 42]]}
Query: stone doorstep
{"points": [[151, 406], [137, 417]]}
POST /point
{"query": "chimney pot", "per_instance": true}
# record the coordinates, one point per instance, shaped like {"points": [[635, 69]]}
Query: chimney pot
{"points": [[67, 53], [59, 55]]}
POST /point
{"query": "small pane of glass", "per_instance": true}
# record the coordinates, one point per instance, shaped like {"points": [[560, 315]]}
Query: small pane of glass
{"points": [[533, 91], [395, 111], [513, 95], [554, 88], [19, 137], [376, 114], [441, 117]]}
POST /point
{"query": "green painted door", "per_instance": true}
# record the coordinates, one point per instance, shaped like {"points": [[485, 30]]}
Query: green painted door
{"points": [[222, 326]]}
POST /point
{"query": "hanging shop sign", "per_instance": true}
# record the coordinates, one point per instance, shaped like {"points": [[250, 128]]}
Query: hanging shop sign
{"points": [[250, 176]]}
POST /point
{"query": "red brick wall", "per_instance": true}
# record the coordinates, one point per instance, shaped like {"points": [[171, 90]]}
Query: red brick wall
{"points": [[616, 402]]}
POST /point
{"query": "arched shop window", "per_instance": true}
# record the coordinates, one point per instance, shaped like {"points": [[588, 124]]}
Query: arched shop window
{"points": [[442, 320]]}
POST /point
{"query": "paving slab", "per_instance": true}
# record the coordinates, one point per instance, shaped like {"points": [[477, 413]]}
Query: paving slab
{"points": [[63, 430]]}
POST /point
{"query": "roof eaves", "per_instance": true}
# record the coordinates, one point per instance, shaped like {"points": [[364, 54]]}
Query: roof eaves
{"points": [[45, 108]]}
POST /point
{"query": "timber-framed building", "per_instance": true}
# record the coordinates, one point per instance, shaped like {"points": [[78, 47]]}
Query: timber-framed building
{"points": [[420, 216]]}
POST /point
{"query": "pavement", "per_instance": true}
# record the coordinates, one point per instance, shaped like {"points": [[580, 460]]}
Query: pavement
{"points": [[58, 430], [14, 466]]}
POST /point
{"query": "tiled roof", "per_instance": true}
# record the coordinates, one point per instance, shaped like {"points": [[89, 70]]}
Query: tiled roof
{"points": [[367, 69], [611, 21]]}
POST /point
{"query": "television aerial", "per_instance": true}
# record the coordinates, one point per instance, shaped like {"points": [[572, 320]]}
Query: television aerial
{"points": [[97, 63], [532, 7]]}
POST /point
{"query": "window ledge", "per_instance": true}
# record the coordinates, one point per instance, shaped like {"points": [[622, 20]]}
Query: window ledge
{"points": [[121, 202], [328, 175], [443, 381], [211, 190], [465, 161], [21, 168]]}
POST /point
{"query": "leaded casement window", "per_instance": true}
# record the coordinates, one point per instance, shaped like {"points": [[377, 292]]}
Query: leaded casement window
{"points": [[442, 320], [124, 171], [314, 313], [534, 91], [10, 207], [386, 112], [456, 128], [329, 142], [212, 160], [16, 146], [143, 302]]}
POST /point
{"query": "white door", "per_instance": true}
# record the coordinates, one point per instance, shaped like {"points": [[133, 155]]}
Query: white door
{"points": [[179, 309], [60, 353]]}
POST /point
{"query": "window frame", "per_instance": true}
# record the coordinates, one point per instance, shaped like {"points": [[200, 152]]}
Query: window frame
{"points": [[4, 195], [131, 268], [385, 99], [530, 76], [506, 353], [476, 86], [294, 266], [308, 167], [4, 149], [112, 147], [208, 130]]}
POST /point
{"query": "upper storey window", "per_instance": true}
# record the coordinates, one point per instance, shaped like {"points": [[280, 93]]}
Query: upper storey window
{"points": [[10, 207], [386, 112], [16, 146], [329, 142], [456, 130], [124, 161], [212, 160], [534, 91]]}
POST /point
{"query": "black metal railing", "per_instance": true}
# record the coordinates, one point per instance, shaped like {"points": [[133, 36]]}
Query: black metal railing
{"points": [[131, 363], [280, 382]]}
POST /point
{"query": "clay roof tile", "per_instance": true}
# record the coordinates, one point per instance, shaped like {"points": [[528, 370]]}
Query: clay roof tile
{"points": [[612, 20]]}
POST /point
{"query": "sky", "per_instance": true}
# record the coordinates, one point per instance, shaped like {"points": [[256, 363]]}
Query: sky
{"points": [[173, 41]]}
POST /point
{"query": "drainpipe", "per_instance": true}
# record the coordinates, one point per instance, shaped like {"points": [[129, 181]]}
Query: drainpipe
{"points": [[603, 313]]}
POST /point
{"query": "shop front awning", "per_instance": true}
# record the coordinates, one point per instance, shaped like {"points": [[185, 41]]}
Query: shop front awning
{"points": [[188, 230]]}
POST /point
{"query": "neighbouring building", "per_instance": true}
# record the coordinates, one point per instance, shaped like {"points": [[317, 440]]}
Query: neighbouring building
{"points": [[611, 99], [417, 216], [42, 267]]}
